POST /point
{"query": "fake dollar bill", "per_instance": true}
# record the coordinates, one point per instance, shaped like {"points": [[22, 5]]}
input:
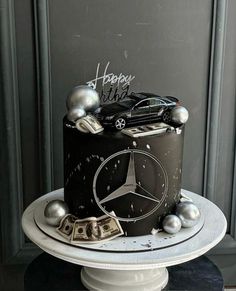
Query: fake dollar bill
{"points": [[89, 123], [66, 226], [94, 230], [148, 129]]}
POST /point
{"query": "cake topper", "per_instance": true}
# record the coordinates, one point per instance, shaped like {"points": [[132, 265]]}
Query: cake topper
{"points": [[54, 211], [76, 113], [113, 87], [83, 97], [141, 108], [89, 123], [171, 224], [89, 229], [188, 213], [179, 115], [81, 101]]}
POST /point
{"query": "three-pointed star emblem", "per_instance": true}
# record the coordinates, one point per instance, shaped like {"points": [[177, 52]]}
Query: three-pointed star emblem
{"points": [[130, 186]]}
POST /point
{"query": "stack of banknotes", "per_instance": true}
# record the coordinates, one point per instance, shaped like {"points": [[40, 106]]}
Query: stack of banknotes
{"points": [[89, 123], [89, 230]]}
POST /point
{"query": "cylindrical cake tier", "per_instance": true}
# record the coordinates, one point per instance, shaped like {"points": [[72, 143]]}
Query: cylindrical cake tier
{"points": [[137, 178]]}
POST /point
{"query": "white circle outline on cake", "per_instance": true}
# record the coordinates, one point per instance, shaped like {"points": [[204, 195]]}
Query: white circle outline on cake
{"points": [[131, 151]]}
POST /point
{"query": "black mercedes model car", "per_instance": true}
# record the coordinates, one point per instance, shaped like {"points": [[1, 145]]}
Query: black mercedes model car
{"points": [[137, 108]]}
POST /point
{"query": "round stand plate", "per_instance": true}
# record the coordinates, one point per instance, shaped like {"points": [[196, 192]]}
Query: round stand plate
{"points": [[127, 263], [120, 244]]}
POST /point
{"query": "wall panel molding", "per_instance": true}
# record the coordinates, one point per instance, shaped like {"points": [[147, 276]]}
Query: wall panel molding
{"points": [[10, 143], [233, 203], [214, 97], [42, 41], [218, 76]]}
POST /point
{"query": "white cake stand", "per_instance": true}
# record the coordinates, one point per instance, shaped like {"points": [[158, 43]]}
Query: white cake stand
{"points": [[130, 270]]}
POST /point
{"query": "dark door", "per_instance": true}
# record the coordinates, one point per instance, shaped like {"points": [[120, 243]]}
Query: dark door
{"points": [[157, 108], [140, 111]]}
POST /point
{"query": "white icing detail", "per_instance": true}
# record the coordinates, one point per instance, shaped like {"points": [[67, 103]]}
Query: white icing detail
{"points": [[154, 231]]}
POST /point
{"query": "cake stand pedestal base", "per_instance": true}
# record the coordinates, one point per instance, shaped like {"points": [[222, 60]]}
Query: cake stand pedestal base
{"points": [[115, 280]]}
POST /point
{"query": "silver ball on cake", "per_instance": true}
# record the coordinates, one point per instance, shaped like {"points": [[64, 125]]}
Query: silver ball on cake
{"points": [[179, 115], [54, 211], [188, 213], [83, 97], [75, 113], [171, 224]]}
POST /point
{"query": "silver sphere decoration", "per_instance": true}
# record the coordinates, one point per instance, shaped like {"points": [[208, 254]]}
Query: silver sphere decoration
{"points": [[179, 115], [84, 97], [75, 113], [188, 213], [171, 224], [54, 211]]}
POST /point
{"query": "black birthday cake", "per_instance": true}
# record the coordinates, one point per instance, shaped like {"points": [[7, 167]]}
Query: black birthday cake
{"points": [[129, 167]]}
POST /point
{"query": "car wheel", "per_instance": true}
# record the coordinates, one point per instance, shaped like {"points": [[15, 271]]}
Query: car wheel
{"points": [[120, 123], [166, 116]]}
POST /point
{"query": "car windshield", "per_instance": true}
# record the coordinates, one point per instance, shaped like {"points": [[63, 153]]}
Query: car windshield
{"points": [[167, 100]]}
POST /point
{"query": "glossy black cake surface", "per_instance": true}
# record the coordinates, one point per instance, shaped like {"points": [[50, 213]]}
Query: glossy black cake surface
{"points": [[97, 166]]}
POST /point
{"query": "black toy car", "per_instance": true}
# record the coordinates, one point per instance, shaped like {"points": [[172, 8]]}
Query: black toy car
{"points": [[137, 108]]}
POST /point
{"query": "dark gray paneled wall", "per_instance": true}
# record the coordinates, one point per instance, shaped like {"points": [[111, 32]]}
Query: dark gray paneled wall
{"points": [[184, 48], [28, 102], [10, 137]]}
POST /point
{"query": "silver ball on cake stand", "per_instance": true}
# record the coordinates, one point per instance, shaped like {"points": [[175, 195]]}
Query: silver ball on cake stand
{"points": [[83, 97], [171, 224], [188, 213], [75, 113], [54, 211], [179, 115]]}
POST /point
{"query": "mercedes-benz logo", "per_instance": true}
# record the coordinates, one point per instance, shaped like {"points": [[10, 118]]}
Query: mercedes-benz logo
{"points": [[131, 186]]}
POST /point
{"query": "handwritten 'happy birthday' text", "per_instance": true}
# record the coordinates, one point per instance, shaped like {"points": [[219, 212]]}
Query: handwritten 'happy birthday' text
{"points": [[110, 78]]}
